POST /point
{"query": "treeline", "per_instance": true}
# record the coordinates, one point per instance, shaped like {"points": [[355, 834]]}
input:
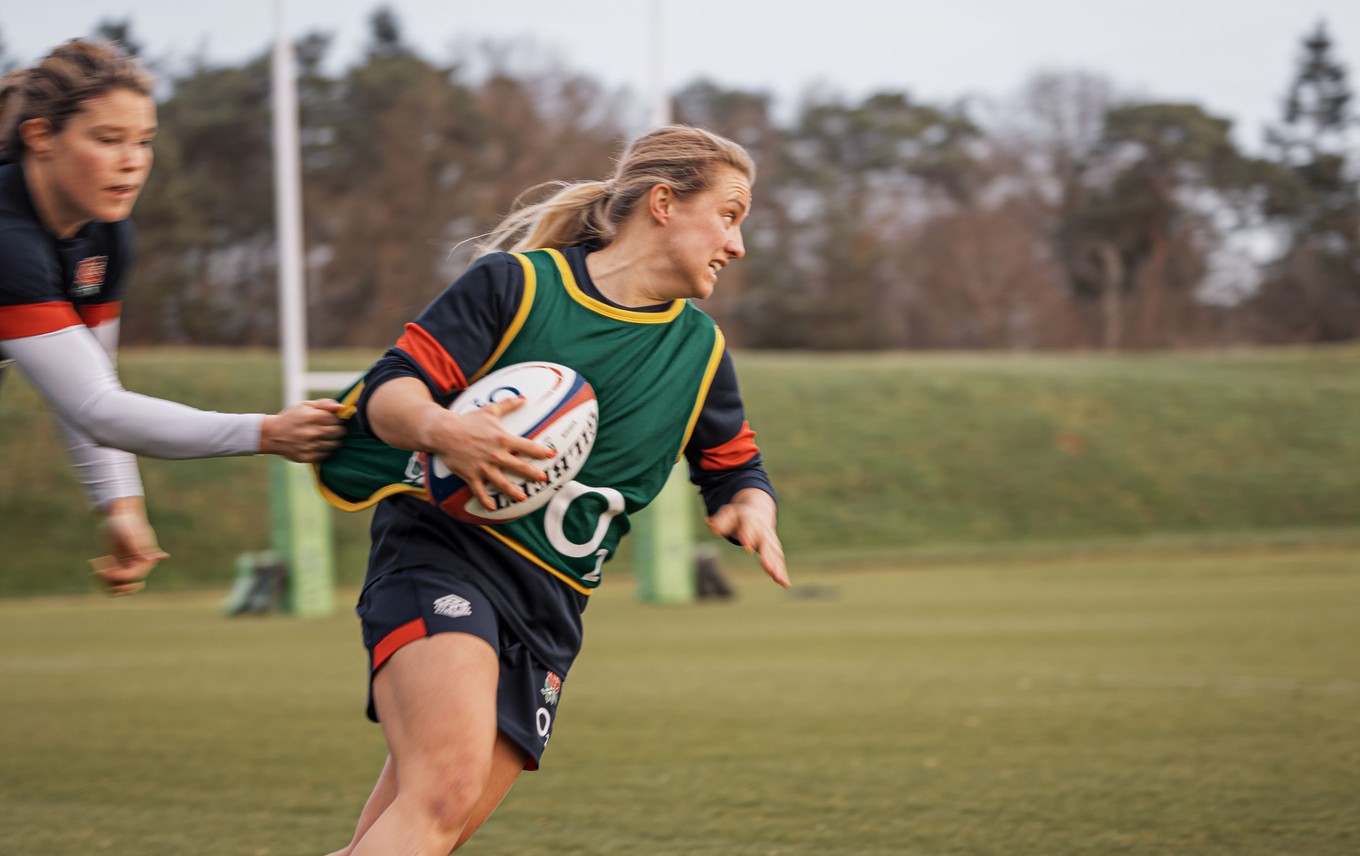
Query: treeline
{"points": [[1073, 217]]}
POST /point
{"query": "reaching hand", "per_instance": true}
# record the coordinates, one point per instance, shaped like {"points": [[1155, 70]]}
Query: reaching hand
{"points": [[749, 519], [133, 545], [306, 432]]}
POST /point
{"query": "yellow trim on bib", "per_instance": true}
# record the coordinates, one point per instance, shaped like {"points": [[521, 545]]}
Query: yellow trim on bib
{"points": [[714, 359], [521, 315], [345, 505], [347, 411], [602, 308], [524, 551]]}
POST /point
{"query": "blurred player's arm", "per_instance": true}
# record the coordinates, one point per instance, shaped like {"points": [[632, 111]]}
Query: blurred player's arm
{"points": [[109, 477], [73, 369]]}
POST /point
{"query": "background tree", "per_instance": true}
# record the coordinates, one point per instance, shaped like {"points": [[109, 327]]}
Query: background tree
{"points": [[1313, 293], [759, 294], [1138, 231], [852, 182], [214, 177], [1052, 133], [424, 160], [1088, 218]]}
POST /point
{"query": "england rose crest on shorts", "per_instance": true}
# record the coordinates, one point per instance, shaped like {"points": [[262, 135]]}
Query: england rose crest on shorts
{"points": [[552, 688]]}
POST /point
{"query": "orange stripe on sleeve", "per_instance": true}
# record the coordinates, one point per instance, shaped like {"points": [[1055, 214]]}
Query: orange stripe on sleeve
{"points": [[35, 319], [426, 350], [94, 314], [392, 642], [733, 453]]}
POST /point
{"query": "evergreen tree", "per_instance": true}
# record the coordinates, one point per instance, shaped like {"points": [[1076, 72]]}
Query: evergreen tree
{"points": [[1317, 110], [1314, 293]]}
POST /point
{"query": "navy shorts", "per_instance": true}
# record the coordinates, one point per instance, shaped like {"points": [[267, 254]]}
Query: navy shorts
{"points": [[401, 607]]}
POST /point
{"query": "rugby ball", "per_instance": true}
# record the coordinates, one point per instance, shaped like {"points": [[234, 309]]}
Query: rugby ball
{"points": [[559, 411]]}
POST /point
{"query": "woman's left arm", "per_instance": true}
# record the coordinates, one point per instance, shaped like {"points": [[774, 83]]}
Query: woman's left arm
{"points": [[725, 462]]}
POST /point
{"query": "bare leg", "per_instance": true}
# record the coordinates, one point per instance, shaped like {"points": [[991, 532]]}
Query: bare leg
{"points": [[437, 700], [506, 766], [378, 801]]}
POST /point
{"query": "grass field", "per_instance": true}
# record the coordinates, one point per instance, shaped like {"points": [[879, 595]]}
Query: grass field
{"points": [[1201, 703]]}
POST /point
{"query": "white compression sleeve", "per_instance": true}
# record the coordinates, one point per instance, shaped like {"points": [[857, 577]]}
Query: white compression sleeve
{"points": [[75, 375], [105, 474]]}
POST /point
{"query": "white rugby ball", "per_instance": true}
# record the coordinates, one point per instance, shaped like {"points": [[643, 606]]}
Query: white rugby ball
{"points": [[559, 411]]}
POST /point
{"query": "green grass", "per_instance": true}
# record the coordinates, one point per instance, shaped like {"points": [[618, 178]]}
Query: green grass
{"points": [[987, 449], [1191, 704], [900, 457]]}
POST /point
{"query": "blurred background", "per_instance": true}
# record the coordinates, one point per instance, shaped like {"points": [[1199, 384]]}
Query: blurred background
{"points": [[979, 178]]}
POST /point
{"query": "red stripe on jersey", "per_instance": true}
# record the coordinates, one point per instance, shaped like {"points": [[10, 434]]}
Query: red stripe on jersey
{"points": [[392, 642], [431, 356], [94, 314], [35, 319], [733, 453]]}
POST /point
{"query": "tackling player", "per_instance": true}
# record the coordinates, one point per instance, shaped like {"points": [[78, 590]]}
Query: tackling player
{"points": [[75, 150]]}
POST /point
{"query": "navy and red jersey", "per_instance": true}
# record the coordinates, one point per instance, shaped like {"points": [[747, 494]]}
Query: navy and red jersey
{"points": [[48, 284], [488, 314]]}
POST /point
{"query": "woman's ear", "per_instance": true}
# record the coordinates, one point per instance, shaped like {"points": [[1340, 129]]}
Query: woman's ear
{"points": [[37, 135], [660, 201]]}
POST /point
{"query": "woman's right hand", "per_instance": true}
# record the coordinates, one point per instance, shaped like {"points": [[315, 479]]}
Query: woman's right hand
{"points": [[482, 453]]}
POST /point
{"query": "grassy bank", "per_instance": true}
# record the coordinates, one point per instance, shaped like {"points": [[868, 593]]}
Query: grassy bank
{"points": [[875, 456]]}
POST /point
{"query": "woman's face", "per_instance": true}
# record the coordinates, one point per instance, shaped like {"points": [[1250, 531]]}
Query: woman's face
{"points": [[99, 162], [704, 232]]}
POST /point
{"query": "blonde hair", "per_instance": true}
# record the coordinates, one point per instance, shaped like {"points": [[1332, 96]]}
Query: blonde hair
{"points": [[58, 87], [682, 157]]}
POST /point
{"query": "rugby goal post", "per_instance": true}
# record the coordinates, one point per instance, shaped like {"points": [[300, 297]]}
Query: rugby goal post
{"points": [[300, 520], [663, 543], [663, 533]]}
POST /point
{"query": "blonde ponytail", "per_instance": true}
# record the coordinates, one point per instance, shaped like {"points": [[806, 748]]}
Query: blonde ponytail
{"points": [[574, 213], [679, 156]]}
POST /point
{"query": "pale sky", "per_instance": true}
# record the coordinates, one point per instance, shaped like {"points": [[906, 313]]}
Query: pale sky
{"points": [[1235, 58]]}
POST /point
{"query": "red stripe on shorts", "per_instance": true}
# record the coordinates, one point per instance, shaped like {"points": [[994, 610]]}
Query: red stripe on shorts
{"points": [[403, 635]]}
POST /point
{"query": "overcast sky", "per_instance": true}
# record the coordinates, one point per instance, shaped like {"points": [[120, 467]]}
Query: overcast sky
{"points": [[1233, 57]]}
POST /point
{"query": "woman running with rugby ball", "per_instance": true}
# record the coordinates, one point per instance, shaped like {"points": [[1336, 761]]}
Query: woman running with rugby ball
{"points": [[472, 629]]}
